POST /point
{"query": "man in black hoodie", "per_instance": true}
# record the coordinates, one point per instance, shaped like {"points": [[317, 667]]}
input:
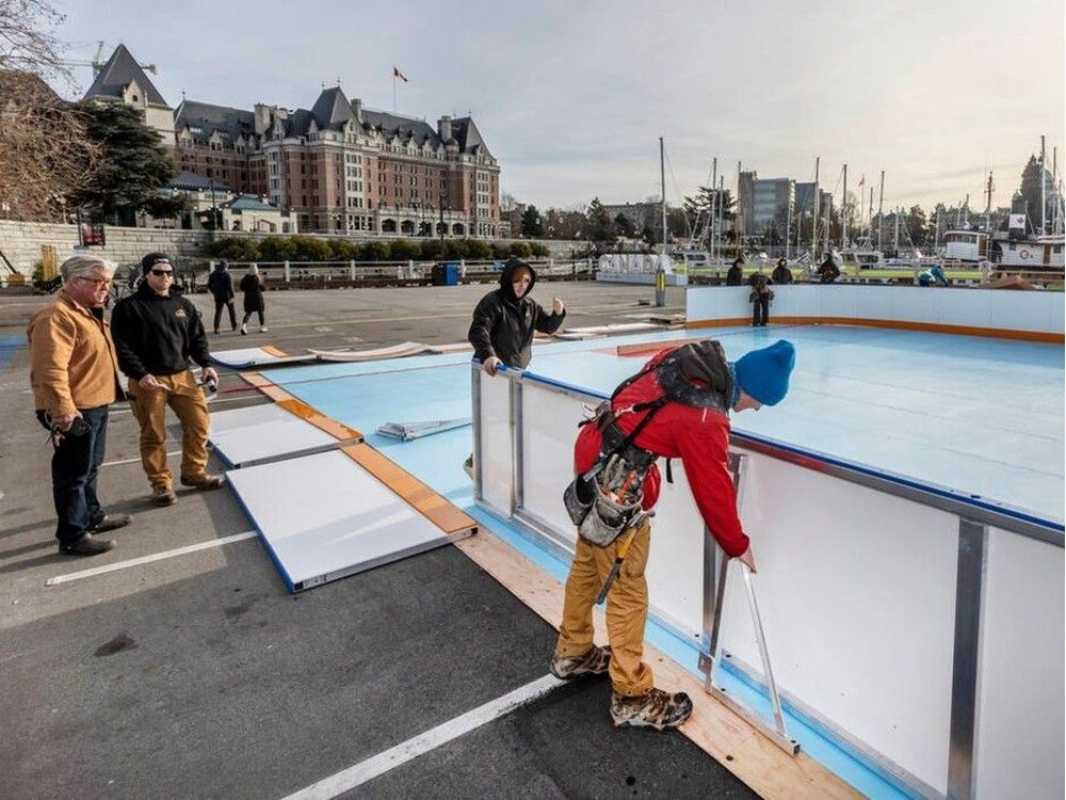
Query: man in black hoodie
{"points": [[156, 333], [506, 318], [220, 284]]}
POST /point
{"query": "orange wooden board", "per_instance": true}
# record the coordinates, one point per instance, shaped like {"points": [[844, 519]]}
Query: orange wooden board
{"points": [[436, 508]]}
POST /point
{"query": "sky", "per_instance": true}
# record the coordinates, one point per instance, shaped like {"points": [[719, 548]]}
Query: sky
{"points": [[572, 97]]}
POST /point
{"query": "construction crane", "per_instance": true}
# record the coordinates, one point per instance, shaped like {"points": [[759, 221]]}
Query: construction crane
{"points": [[98, 65]]}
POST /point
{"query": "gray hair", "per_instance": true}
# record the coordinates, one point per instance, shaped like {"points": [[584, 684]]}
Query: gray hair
{"points": [[82, 265], [254, 269]]}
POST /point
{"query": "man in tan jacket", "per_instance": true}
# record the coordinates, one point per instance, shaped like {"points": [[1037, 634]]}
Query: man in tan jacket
{"points": [[74, 375]]}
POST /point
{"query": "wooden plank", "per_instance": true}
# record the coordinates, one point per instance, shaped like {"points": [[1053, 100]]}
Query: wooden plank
{"points": [[749, 755], [337, 430], [436, 508], [256, 379], [644, 348]]}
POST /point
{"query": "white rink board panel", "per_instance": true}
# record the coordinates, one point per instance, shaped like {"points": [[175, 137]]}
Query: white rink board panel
{"points": [[324, 517], [1034, 312], [248, 357], [258, 433], [857, 594], [1020, 680], [497, 477], [550, 428]]}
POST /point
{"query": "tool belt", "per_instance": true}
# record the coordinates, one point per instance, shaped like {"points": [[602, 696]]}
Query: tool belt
{"points": [[603, 501]]}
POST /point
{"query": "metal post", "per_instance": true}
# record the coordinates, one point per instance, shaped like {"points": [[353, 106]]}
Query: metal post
{"points": [[764, 652], [969, 581], [517, 472], [351, 269], [475, 416], [288, 274]]}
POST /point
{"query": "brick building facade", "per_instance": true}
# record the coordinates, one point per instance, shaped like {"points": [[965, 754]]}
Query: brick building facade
{"points": [[337, 167]]}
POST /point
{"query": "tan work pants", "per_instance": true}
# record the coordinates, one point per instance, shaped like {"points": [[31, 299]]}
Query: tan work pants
{"points": [[149, 406], [627, 609]]}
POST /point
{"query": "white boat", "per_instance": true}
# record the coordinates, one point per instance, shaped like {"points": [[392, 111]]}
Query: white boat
{"points": [[1044, 252], [970, 246]]}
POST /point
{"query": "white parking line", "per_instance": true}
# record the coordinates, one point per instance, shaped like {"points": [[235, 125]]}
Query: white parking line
{"points": [[133, 460], [374, 766], [209, 405], [133, 562]]}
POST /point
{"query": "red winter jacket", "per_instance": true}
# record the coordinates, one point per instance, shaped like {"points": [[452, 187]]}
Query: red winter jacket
{"points": [[698, 436]]}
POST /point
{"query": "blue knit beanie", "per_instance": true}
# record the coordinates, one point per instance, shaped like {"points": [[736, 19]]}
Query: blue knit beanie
{"points": [[763, 374]]}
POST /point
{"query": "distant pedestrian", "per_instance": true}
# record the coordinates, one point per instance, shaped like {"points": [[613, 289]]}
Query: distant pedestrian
{"points": [[252, 287], [781, 275], [220, 284], [74, 375], [735, 276], [828, 272], [760, 298]]}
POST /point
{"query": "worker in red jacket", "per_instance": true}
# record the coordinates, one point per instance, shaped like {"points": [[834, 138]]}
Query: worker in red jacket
{"points": [[677, 406]]}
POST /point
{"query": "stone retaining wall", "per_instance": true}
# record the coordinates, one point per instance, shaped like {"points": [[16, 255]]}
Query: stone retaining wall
{"points": [[21, 242]]}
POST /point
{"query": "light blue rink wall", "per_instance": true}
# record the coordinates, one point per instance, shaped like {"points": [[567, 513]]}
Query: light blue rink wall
{"points": [[982, 416]]}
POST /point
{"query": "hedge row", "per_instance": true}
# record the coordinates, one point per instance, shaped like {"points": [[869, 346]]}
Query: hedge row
{"points": [[307, 248]]}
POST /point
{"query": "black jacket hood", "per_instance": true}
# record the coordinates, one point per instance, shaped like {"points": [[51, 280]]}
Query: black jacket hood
{"points": [[507, 277]]}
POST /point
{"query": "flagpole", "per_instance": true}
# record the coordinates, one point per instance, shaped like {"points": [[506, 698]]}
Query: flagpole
{"points": [[394, 90]]}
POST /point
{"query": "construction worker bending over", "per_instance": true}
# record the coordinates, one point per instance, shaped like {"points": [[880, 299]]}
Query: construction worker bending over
{"points": [[677, 406]]}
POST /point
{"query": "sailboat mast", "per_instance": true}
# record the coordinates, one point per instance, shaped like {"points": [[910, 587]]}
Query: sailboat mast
{"points": [[814, 209], [662, 185], [714, 202], [880, 215], [844, 213]]}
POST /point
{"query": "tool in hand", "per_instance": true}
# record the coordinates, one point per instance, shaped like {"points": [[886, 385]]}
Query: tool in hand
{"points": [[620, 554]]}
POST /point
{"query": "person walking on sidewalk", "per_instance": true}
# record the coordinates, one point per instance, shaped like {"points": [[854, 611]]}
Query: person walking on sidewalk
{"points": [[157, 333], [677, 406], [220, 284], [252, 287], [74, 376]]}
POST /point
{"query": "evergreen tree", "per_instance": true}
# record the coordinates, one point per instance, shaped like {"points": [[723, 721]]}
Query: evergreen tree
{"points": [[532, 224], [134, 166], [916, 225], [624, 226], [600, 227]]}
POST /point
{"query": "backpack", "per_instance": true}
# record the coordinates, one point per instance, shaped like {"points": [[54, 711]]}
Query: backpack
{"points": [[603, 500]]}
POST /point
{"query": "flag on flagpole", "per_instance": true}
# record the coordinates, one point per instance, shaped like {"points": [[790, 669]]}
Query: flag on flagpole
{"points": [[397, 74]]}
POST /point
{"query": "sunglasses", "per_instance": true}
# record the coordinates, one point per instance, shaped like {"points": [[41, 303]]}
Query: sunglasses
{"points": [[161, 272]]}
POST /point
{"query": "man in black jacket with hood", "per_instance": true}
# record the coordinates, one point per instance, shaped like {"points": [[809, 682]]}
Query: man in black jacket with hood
{"points": [[158, 333], [220, 284], [506, 318]]}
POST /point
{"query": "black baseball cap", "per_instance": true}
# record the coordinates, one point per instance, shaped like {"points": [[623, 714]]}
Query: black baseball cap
{"points": [[152, 259]]}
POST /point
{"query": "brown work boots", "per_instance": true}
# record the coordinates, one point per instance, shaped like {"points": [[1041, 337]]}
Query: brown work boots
{"points": [[653, 709], [592, 662]]}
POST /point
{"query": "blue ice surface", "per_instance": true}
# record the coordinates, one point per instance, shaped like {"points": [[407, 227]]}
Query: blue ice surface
{"points": [[9, 347], [982, 416]]}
